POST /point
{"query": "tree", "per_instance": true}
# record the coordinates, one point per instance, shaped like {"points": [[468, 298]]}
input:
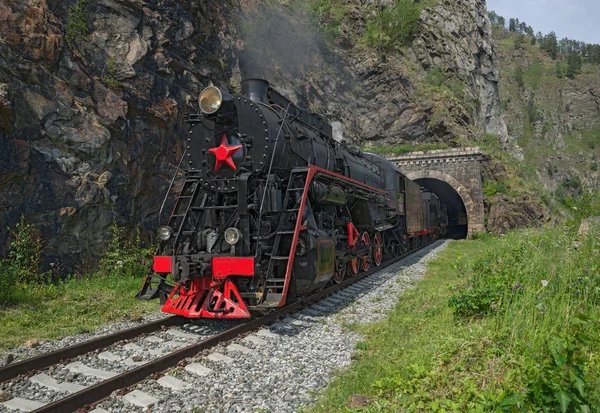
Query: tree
{"points": [[559, 72], [550, 45], [529, 30], [595, 54], [540, 37], [574, 66], [523, 28], [519, 41], [502, 22], [512, 25]]}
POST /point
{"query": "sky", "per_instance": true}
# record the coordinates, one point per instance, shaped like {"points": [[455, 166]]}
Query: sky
{"points": [[575, 19]]}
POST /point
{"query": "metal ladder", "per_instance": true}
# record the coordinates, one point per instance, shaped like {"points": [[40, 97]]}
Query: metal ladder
{"points": [[275, 283], [184, 202]]}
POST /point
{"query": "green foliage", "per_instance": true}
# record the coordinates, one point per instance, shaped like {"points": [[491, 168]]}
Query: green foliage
{"points": [[533, 41], [74, 304], [518, 333], [519, 77], [436, 76], [543, 297], [574, 65], [559, 71], [533, 75], [569, 188], [405, 148], [534, 114], [491, 188], [24, 253], [330, 14], [109, 76], [125, 257], [8, 282], [77, 21], [393, 26], [586, 205], [549, 44], [559, 384], [519, 41], [70, 307]]}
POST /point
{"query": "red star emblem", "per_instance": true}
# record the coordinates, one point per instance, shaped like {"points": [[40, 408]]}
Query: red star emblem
{"points": [[223, 153]]}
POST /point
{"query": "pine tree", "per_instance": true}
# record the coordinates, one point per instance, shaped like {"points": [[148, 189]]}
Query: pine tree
{"points": [[550, 45], [502, 22], [559, 72], [574, 66], [595, 54]]}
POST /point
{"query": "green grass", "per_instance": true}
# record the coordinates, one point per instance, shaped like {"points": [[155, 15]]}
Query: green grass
{"points": [[409, 359], [485, 332], [534, 74], [404, 149], [77, 306], [329, 14]]}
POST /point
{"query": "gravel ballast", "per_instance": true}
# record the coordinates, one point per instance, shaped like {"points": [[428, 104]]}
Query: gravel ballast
{"points": [[48, 346], [282, 372]]}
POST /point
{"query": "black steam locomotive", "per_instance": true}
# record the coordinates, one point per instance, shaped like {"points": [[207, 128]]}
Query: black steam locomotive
{"points": [[272, 208]]}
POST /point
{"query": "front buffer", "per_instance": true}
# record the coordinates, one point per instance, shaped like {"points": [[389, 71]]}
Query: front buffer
{"points": [[208, 297]]}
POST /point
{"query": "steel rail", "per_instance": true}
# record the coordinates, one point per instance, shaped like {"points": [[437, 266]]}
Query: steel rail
{"points": [[46, 360], [96, 393]]}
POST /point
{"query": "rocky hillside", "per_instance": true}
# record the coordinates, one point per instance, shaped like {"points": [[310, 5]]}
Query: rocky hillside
{"points": [[554, 119], [93, 97]]}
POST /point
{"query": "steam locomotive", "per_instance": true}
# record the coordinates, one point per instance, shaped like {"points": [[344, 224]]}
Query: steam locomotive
{"points": [[273, 208]]}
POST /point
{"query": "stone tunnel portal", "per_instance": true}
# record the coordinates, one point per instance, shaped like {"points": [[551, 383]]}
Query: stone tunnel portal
{"points": [[457, 212], [455, 176]]}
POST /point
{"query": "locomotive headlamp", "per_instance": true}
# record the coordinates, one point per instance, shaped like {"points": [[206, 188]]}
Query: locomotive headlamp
{"points": [[232, 235], [165, 233], [210, 100]]}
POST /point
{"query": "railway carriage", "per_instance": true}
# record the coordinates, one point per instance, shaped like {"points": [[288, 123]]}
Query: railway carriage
{"points": [[273, 208]]}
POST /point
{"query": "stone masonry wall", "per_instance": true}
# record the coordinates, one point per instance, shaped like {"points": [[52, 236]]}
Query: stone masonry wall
{"points": [[460, 168]]}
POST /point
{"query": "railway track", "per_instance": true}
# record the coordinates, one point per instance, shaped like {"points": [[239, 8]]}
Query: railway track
{"points": [[171, 336]]}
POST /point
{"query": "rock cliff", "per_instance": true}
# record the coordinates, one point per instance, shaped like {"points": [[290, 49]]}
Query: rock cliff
{"points": [[91, 122]]}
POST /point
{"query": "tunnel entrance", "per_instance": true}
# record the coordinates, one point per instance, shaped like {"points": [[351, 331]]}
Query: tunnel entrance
{"points": [[457, 212]]}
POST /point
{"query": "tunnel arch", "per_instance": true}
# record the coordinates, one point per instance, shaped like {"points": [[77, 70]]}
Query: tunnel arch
{"points": [[459, 187]]}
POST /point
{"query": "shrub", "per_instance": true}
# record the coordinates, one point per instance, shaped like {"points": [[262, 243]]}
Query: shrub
{"points": [[329, 14], [111, 73], [8, 282], [559, 385], [436, 76], [492, 188], [125, 258], [393, 26], [25, 252], [77, 21]]}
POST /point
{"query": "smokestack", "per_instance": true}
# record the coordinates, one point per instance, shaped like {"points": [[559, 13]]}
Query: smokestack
{"points": [[254, 85], [255, 89]]}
